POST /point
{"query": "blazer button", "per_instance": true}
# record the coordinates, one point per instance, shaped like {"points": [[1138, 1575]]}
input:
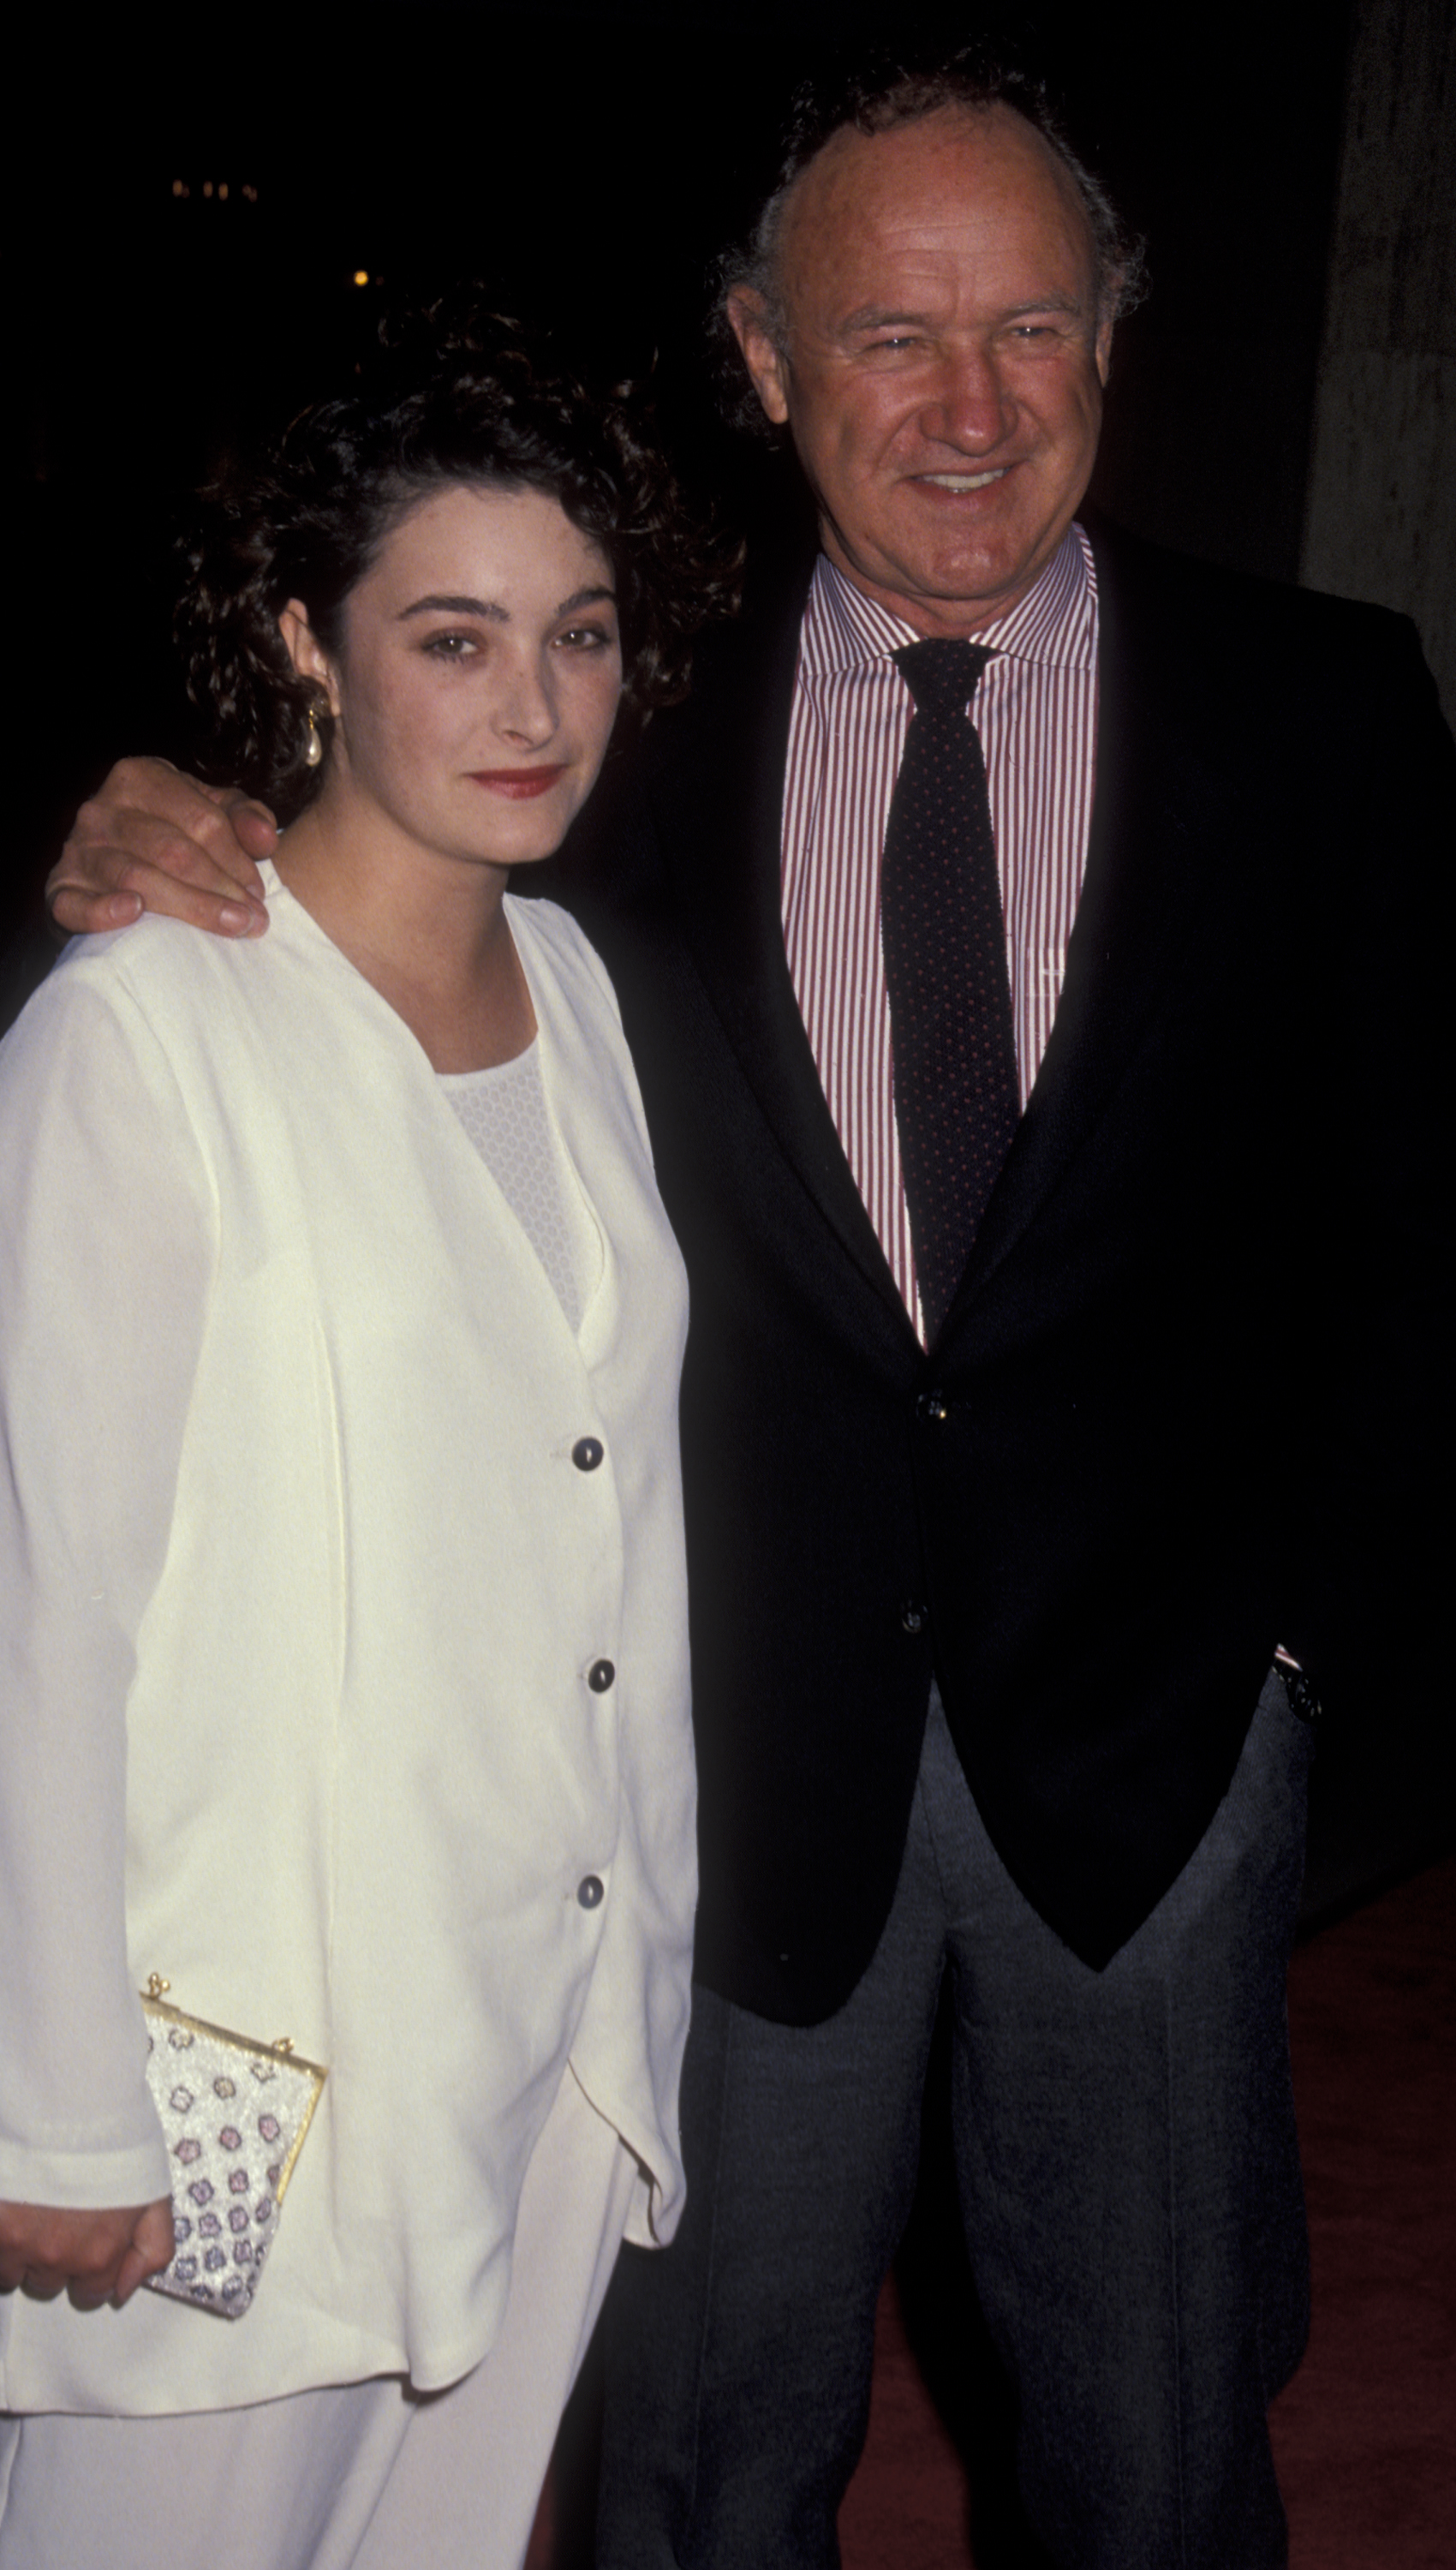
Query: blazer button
{"points": [[588, 1453], [599, 1676], [590, 1892], [934, 1405], [912, 1616]]}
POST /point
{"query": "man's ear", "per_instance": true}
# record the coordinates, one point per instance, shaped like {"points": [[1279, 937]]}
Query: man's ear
{"points": [[762, 355], [306, 651]]}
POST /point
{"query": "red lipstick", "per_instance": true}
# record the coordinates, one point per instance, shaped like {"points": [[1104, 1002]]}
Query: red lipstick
{"points": [[519, 784]]}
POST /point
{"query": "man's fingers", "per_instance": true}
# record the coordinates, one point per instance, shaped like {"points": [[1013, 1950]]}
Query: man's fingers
{"points": [[110, 841], [205, 896], [252, 824], [180, 847], [81, 914]]}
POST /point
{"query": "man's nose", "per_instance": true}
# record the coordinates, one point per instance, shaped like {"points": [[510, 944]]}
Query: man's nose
{"points": [[969, 407]]}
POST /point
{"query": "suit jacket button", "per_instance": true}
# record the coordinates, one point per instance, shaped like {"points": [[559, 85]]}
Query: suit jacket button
{"points": [[599, 1676], [912, 1616], [590, 1892], [588, 1453]]}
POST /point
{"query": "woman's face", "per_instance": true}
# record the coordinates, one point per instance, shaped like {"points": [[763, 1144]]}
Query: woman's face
{"points": [[479, 677]]}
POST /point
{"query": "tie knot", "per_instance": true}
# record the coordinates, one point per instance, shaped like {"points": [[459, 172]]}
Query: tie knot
{"points": [[942, 676]]}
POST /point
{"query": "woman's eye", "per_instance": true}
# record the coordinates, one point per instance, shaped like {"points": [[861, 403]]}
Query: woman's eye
{"points": [[587, 638], [450, 646]]}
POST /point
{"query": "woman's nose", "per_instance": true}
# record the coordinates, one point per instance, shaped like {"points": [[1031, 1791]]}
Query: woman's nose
{"points": [[524, 707]]}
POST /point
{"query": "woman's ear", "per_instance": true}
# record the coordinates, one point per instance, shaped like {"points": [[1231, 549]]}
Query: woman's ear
{"points": [[306, 651]]}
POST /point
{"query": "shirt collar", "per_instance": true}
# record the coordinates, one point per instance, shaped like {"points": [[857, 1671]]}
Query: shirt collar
{"points": [[1055, 622]]}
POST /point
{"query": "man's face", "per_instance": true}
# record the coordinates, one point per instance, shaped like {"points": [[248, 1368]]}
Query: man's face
{"points": [[943, 372]]}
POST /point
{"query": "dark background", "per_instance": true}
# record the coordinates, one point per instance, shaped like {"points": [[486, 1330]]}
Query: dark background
{"points": [[1284, 161], [584, 163]]}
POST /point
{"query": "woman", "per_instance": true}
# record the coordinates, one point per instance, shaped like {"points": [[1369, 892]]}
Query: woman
{"points": [[341, 1544]]}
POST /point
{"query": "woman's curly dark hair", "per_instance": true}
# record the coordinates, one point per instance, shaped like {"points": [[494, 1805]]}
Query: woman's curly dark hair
{"points": [[445, 400]]}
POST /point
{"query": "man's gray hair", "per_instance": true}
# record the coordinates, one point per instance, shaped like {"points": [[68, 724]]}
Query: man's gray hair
{"points": [[873, 101]]}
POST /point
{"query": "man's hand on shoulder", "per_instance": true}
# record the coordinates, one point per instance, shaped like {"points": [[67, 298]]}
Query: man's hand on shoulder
{"points": [[154, 839]]}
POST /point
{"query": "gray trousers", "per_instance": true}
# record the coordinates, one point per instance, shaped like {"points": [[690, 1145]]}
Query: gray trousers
{"points": [[1129, 2182]]}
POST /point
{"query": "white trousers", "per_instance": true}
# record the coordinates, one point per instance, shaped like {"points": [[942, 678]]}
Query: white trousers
{"points": [[354, 2476]]}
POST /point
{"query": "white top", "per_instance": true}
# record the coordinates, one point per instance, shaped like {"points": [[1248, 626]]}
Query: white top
{"points": [[301, 1590], [505, 1113]]}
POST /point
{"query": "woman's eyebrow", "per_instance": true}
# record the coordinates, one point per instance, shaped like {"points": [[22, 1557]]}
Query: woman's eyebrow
{"points": [[456, 607], [496, 615]]}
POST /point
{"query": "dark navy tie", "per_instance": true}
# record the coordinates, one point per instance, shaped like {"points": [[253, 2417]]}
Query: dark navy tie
{"points": [[956, 1098]]}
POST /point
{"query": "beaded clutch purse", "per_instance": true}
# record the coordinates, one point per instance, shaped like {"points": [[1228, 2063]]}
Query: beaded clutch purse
{"points": [[234, 2113]]}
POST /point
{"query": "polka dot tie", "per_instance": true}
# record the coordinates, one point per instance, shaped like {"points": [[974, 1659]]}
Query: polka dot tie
{"points": [[956, 1098]]}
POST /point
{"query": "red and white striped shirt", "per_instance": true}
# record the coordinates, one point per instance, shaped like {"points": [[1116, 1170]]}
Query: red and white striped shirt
{"points": [[1035, 711]]}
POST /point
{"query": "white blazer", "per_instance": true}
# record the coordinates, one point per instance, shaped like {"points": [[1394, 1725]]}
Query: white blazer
{"points": [[301, 1580]]}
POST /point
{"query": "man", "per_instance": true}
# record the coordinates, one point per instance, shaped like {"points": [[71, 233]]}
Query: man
{"points": [[1020, 1433]]}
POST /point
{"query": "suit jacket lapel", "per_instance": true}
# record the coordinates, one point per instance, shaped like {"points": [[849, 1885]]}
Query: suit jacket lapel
{"points": [[724, 847], [1158, 812]]}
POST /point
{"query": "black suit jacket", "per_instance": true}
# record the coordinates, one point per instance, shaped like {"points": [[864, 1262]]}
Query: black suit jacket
{"points": [[1172, 1418]]}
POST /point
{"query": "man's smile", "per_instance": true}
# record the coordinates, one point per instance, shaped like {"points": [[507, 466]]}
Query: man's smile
{"points": [[963, 481]]}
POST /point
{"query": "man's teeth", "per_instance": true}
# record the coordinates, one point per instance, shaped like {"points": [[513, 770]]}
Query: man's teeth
{"points": [[964, 481]]}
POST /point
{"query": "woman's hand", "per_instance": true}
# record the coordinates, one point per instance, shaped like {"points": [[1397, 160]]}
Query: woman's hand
{"points": [[154, 839], [96, 2258]]}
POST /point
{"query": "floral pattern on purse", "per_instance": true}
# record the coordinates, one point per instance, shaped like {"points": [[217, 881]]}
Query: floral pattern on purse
{"points": [[234, 2113]]}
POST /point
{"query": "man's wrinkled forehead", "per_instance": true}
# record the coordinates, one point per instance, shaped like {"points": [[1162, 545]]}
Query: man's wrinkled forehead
{"points": [[966, 170]]}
